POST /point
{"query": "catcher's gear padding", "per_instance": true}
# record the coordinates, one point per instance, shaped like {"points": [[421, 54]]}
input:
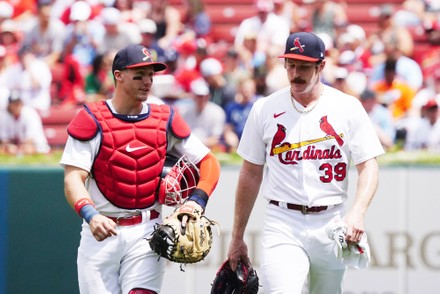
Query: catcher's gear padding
{"points": [[179, 178], [243, 281], [185, 236]]}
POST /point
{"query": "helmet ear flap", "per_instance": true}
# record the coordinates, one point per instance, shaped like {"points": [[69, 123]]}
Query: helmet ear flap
{"points": [[178, 181]]}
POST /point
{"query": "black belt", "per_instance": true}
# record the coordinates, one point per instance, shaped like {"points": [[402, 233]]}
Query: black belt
{"points": [[303, 208]]}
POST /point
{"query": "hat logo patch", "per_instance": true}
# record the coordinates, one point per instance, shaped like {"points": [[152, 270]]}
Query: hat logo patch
{"points": [[297, 45], [147, 55]]}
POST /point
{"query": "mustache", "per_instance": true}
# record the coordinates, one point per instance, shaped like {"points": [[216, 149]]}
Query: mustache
{"points": [[298, 81]]}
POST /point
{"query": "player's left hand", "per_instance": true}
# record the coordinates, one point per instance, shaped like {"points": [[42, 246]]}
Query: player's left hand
{"points": [[355, 227], [190, 207]]}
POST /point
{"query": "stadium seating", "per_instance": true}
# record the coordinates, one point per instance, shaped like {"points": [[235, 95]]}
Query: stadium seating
{"points": [[226, 16], [55, 121]]}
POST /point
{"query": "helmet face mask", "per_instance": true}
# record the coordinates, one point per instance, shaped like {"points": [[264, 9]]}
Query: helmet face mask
{"points": [[179, 178]]}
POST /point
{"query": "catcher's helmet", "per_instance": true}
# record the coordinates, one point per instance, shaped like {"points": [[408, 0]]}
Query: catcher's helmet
{"points": [[179, 178]]}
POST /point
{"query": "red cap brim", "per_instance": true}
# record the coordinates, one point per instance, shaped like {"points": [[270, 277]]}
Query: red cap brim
{"points": [[157, 66], [299, 57]]}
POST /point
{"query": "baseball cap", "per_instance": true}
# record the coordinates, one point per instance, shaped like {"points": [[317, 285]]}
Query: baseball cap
{"points": [[80, 11], [210, 67], [199, 87], [110, 16], [6, 10], [147, 26], [304, 46], [134, 56], [14, 96]]}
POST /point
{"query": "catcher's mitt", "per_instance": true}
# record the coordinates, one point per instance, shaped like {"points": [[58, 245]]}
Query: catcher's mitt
{"points": [[243, 281], [185, 236]]}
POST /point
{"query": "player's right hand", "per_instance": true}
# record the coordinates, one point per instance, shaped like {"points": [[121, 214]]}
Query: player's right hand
{"points": [[102, 227], [237, 250]]}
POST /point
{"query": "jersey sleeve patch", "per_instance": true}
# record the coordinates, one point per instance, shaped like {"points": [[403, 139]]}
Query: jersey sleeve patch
{"points": [[178, 127], [83, 127]]}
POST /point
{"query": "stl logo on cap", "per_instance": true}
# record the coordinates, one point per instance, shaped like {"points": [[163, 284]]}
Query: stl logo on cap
{"points": [[297, 45], [147, 54], [304, 46]]}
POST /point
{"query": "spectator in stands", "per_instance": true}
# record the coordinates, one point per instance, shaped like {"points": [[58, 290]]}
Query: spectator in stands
{"points": [[425, 131], [220, 92], [83, 35], [393, 92], [205, 118], [354, 39], [237, 113], [46, 36], [276, 77], [233, 69], [129, 13], [381, 118], [32, 78], [195, 19], [67, 81], [407, 69], [21, 129], [388, 32], [168, 22], [430, 89], [118, 33], [251, 56], [4, 90], [259, 75], [9, 39], [148, 29], [266, 27], [340, 76], [429, 59], [99, 84], [326, 16], [291, 12]]}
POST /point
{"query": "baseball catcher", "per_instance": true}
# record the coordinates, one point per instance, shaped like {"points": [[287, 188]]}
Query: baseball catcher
{"points": [[243, 281], [185, 236]]}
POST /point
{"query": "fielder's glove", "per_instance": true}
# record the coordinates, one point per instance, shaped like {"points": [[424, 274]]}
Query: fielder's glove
{"points": [[243, 281], [185, 236]]}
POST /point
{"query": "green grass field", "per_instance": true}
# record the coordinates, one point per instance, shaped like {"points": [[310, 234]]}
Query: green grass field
{"points": [[395, 158]]}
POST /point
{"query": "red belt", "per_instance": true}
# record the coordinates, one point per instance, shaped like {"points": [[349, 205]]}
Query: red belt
{"points": [[133, 220], [303, 208]]}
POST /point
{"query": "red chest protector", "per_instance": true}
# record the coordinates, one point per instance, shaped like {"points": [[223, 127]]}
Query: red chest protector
{"points": [[129, 163]]}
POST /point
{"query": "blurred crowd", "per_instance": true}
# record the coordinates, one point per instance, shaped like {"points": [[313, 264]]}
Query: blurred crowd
{"points": [[59, 53]]}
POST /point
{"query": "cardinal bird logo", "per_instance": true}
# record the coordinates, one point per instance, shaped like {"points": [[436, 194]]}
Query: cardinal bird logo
{"points": [[327, 128], [279, 137], [298, 45]]}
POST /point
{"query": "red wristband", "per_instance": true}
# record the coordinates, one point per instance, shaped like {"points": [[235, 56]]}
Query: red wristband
{"points": [[81, 203]]}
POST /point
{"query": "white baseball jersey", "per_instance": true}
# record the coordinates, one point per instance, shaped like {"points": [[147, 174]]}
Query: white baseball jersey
{"points": [[307, 152]]}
